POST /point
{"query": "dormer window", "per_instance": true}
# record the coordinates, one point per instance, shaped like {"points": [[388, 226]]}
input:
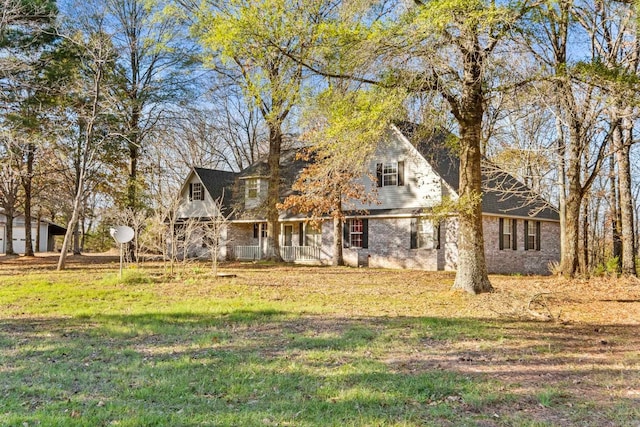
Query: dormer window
{"points": [[195, 191], [252, 188], [390, 174]]}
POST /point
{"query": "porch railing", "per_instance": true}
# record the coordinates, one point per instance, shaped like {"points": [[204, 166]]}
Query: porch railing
{"points": [[288, 253], [246, 253], [299, 253]]}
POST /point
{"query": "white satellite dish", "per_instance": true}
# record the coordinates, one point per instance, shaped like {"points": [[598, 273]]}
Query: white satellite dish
{"points": [[122, 233]]}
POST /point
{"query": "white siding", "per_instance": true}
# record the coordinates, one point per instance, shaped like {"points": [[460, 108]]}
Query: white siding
{"points": [[195, 208], [19, 235], [263, 185], [422, 186]]}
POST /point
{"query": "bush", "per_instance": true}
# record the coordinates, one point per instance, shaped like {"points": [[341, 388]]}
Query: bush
{"points": [[613, 265], [131, 276]]}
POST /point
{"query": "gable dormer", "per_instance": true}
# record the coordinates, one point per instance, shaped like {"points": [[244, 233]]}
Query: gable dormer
{"points": [[202, 189], [255, 190]]}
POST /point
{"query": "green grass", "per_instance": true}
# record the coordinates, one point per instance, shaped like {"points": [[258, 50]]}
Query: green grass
{"points": [[271, 347]]}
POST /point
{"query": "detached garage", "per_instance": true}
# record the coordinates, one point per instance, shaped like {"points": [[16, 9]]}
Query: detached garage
{"points": [[48, 231]]}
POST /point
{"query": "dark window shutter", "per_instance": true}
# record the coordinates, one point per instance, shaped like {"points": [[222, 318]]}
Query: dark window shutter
{"points": [[436, 237], [191, 192], [301, 234], [379, 174], [345, 234], [526, 235], [400, 174], [365, 233], [538, 242], [514, 234], [255, 231], [414, 233], [500, 233]]}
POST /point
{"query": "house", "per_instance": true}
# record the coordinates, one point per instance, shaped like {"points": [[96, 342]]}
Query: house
{"points": [[413, 174], [48, 231], [202, 193]]}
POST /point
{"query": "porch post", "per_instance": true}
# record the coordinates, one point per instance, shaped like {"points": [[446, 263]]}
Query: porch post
{"points": [[281, 237], [259, 240]]}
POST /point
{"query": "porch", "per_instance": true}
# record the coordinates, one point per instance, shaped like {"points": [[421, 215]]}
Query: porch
{"points": [[295, 254]]}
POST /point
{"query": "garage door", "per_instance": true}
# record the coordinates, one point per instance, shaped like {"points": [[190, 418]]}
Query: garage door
{"points": [[19, 239]]}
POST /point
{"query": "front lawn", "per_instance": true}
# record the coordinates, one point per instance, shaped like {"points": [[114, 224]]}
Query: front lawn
{"points": [[306, 346]]}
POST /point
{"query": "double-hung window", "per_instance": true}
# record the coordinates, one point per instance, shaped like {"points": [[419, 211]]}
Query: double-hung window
{"points": [[507, 233], [532, 235], [424, 234], [390, 174], [356, 233], [252, 188], [356, 230], [313, 236], [195, 191], [256, 230]]}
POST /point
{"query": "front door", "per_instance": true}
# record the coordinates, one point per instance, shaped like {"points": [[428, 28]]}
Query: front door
{"points": [[2, 248], [288, 235]]}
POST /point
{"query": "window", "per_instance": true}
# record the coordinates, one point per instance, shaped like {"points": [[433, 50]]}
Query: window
{"points": [[532, 235], [195, 191], [356, 233], [313, 236], [390, 174], [256, 228], [507, 233], [252, 188], [424, 234]]}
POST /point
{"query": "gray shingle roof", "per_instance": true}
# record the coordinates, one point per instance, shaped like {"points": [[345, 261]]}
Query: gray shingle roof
{"points": [[219, 184], [503, 194]]}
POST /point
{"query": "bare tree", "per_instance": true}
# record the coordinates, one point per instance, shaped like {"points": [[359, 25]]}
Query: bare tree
{"points": [[578, 111], [9, 186], [97, 55], [613, 29], [151, 68], [214, 232]]}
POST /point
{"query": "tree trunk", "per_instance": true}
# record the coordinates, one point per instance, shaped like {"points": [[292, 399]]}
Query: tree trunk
{"points": [[570, 262], [76, 238], [562, 182], [471, 274], [338, 222], [132, 179], [38, 233], [27, 185], [66, 243], [9, 215], [626, 200], [613, 203], [585, 237], [273, 192]]}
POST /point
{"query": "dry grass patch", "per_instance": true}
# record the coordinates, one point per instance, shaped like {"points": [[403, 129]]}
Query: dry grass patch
{"points": [[303, 346]]}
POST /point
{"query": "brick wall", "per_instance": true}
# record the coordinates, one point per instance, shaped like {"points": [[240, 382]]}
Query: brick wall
{"points": [[509, 261], [390, 247]]}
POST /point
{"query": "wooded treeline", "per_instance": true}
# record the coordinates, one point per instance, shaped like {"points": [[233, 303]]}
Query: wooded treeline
{"points": [[105, 105]]}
